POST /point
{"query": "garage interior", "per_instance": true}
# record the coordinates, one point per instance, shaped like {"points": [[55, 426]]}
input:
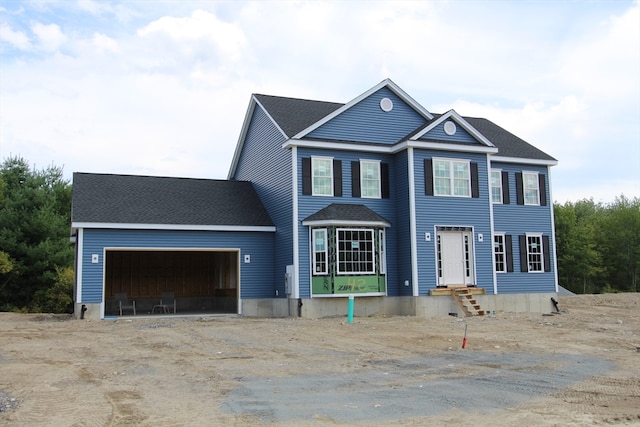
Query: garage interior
{"points": [[202, 281]]}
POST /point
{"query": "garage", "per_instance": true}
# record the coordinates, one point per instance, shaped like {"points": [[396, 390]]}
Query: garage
{"points": [[201, 281]]}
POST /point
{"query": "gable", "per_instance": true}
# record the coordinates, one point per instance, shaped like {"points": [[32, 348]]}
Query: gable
{"points": [[438, 133], [366, 121]]}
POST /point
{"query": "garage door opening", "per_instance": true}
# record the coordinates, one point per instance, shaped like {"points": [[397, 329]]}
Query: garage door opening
{"points": [[203, 282]]}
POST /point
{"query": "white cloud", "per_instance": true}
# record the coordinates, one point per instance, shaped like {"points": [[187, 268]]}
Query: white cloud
{"points": [[104, 42], [168, 96], [50, 36], [18, 39]]}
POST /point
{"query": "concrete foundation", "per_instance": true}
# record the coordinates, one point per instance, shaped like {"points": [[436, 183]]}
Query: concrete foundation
{"points": [[424, 306]]}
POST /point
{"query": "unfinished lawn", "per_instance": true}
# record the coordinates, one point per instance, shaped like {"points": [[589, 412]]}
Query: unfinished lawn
{"points": [[577, 368]]}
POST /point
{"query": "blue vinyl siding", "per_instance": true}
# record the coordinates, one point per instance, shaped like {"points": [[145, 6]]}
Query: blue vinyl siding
{"points": [[308, 205], [401, 252], [432, 211], [517, 220], [268, 166], [254, 277], [366, 122], [438, 134]]}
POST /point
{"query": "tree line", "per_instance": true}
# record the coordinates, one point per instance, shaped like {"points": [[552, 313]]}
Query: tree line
{"points": [[598, 244]]}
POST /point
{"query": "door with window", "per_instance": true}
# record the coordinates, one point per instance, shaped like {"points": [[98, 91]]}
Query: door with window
{"points": [[455, 257]]}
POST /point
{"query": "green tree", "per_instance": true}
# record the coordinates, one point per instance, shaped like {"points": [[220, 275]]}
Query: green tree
{"points": [[35, 209]]}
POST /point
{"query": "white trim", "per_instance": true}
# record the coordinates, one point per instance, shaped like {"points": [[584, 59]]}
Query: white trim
{"points": [[79, 263], [370, 161], [356, 295], [314, 260], [412, 223], [343, 146], [385, 83], [526, 161], [313, 186], [392, 149], [345, 223], [451, 114], [552, 243], [295, 287], [180, 227], [539, 236], [443, 146], [493, 232], [491, 171], [524, 188], [452, 178]]}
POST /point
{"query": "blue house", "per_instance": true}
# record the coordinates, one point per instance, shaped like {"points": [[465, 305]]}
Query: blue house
{"points": [[409, 211]]}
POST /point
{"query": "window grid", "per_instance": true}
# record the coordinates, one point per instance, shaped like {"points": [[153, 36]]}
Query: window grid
{"points": [[496, 186], [451, 178], [382, 262], [500, 254], [467, 257], [534, 253], [439, 250], [322, 176], [370, 179], [530, 188], [320, 252], [355, 251]]}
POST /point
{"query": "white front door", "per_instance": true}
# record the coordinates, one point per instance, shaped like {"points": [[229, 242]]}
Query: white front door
{"points": [[455, 258]]}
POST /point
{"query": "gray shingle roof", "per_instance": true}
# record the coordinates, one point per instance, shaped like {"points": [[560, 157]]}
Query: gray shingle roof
{"points": [[294, 115], [132, 199], [346, 212]]}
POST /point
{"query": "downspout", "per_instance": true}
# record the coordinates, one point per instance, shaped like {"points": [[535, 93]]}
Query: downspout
{"points": [[553, 230], [493, 252]]}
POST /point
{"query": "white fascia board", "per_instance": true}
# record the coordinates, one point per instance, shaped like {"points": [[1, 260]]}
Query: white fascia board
{"points": [[243, 132], [451, 114], [524, 161], [337, 223], [385, 83], [443, 146], [332, 145], [179, 227]]}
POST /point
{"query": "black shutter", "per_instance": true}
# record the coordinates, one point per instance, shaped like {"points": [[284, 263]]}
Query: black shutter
{"points": [[306, 176], [384, 180], [508, 248], [542, 182], [428, 177], [337, 178], [519, 189], [355, 179], [547, 253], [505, 188], [524, 262], [475, 191]]}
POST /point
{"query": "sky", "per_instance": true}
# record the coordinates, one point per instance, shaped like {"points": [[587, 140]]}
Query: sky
{"points": [[162, 87]]}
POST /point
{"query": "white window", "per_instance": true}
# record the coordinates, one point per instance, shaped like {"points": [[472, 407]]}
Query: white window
{"points": [[382, 252], [370, 179], [500, 253], [322, 176], [355, 251], [451, 178], [534, 253], [320, 246], [496, 186], [530, 188]]}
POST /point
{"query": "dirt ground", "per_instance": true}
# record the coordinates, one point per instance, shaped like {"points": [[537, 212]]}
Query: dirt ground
{"points": [[580, 367]]}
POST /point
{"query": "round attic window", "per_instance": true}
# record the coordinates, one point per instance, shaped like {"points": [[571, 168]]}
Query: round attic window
{"points": [[386, 104], [449, 128]]}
